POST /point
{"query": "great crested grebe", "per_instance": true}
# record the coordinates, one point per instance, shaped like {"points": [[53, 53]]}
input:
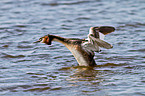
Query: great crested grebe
{"points": [[83, 49]]}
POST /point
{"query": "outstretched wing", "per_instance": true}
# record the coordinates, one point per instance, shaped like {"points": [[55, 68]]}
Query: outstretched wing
{"points": [[95, 38], [90, 47], [94, 44], [98, 42]]}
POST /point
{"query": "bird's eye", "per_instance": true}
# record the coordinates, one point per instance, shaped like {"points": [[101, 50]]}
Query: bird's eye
{"points": [[40, 39]]}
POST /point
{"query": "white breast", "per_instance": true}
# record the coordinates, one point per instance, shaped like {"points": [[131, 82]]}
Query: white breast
{"points": [[78, 56]]}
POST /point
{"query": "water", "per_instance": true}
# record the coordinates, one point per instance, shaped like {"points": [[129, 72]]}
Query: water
{"points": [[28, 69]]}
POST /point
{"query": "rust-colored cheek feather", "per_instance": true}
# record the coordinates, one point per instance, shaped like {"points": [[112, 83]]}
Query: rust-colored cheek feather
{"points": [[48, 40]]}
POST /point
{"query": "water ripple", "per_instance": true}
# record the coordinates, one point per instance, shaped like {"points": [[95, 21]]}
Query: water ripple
{"points": [[38, 69], [11, 56]]}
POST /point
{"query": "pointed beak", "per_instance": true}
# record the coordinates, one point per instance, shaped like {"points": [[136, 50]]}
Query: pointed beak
{"points": [[37, 41]]}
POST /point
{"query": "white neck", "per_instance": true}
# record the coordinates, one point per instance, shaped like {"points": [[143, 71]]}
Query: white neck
{"points": [[91, 30]]}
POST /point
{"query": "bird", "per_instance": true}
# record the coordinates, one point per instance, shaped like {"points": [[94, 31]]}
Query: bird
{"points": [[83, 49]]}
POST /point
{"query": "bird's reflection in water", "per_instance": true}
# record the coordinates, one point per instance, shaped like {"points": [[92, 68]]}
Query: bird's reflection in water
{"points": [[91, 80], [85, 79], [84, 72], [91, 75]]}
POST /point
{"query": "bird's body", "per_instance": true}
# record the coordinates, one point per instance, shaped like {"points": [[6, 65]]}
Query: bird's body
{"points": [[83, 49]]}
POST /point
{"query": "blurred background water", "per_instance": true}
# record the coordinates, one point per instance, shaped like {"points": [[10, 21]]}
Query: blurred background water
{"points": [[28, 69]]}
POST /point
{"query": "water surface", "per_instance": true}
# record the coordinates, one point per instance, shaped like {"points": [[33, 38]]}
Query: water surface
{"points": [[29, 69]]}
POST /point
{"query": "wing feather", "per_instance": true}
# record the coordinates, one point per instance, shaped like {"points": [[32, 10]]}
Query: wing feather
{"points": [[95, 41], [99, 42]]}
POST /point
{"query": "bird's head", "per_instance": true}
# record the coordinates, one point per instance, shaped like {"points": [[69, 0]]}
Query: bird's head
{"points": [[45, 39]]}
